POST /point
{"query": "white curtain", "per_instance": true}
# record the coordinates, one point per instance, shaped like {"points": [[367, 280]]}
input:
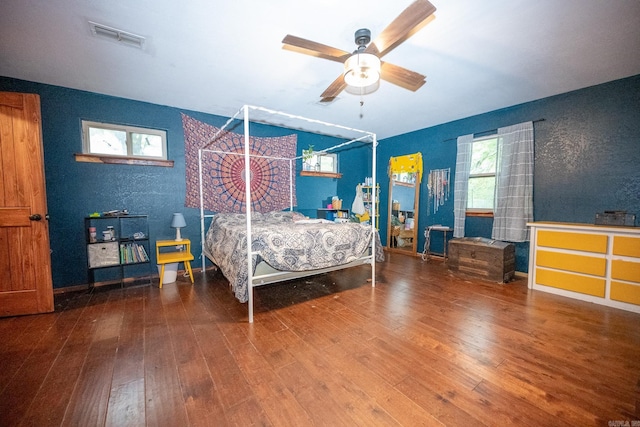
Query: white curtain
{"points": [[463, 166], [514, 183]]}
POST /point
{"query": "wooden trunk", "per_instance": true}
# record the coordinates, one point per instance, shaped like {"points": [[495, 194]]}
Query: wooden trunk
{"points": [[486, 258]]}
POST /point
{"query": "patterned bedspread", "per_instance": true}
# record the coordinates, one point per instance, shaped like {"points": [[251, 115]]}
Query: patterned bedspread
{"points": [[284, 244]]}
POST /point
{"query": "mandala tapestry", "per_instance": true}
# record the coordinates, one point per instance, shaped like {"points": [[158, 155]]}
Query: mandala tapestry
{"points": [[223, 177]]}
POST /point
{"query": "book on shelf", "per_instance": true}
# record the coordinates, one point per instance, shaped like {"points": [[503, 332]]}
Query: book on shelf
{"points": [[133, 253]]}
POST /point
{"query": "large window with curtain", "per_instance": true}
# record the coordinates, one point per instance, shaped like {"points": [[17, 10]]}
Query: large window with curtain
{"points": [[512, 203], [482, 175]]}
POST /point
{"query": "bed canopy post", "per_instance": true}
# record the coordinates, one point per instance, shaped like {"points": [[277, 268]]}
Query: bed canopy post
{"points": [[291, 165], [202, 230], [247, 191], [374, 197]]}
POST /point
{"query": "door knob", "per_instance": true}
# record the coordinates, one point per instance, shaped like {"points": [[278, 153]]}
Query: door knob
{"points": [[35, 217]]}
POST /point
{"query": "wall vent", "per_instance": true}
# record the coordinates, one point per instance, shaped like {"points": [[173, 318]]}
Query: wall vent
{"points": [[113, 34]]}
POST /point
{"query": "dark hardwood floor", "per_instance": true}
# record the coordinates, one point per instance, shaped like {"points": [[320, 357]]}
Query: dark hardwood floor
{"points": [[424, 347]]}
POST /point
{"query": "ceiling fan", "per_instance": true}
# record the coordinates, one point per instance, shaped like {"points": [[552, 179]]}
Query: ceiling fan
{"points": [[362, 63]]}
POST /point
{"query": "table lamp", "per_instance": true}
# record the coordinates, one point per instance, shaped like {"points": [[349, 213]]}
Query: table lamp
{"points": [[178, 222]]}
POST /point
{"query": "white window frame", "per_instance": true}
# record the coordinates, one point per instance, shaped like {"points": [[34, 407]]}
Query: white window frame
{"points": [[315, 160], [87, 125], [483, 175]]}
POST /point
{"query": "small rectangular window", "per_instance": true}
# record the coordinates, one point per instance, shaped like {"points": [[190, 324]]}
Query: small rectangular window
{"points": [[321, 162], [482, 175], [123, 141]]}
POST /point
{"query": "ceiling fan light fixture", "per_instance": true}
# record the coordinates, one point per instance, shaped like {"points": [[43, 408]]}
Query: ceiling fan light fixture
{"points": [[362, 70], [365, 90]]}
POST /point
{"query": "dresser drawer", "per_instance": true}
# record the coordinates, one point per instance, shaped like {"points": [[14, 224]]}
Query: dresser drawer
{"points": [[574, 241], [572, 262], [626, 246], [625, 292], [625, 270], [587, 285]]}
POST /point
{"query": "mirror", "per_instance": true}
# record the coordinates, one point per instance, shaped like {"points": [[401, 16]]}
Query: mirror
{"points": [[404, 185]]}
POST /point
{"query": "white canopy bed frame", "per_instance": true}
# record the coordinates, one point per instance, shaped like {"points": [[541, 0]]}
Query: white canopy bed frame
{"points": [[285, 120]]}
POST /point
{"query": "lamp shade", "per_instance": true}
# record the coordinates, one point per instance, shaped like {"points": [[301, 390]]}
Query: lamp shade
{"points": [[365, 90], [178, 221], [362, 70]]}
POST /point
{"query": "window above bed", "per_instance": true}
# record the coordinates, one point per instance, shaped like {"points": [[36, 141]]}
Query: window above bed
{"points": [[320, 164]]}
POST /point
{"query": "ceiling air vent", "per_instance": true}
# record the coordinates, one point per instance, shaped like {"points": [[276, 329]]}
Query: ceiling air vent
{"points": [[113, 34]]}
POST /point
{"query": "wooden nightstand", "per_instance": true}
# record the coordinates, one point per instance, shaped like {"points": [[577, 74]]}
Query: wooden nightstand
{"points": [[184, 255]]}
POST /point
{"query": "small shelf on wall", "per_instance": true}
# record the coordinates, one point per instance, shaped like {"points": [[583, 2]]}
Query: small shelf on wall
{"points": [[120, 160], [321, 174]]}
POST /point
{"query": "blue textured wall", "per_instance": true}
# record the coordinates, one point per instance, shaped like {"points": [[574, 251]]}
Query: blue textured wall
{"points": [[587, 157], [75, 189]]}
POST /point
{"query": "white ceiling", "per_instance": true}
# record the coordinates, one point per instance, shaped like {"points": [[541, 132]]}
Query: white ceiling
{"points": [[216, 56]]}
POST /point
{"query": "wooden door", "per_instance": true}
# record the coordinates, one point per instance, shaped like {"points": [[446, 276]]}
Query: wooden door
{"points": [[25, 259]]}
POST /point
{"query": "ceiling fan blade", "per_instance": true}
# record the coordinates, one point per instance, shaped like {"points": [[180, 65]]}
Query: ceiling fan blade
{"points": [[307, 47], [412, 19], [333, 90], [401, 76]]}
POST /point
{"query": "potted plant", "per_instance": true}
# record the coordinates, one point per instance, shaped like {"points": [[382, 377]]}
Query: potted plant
{"points": [[307, 155]]}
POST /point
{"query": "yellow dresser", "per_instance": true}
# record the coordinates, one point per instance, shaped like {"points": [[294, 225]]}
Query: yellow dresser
{"points": [[600, 264]]}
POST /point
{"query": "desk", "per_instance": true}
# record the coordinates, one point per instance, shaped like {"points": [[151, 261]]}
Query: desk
{"points": [[184, 255], [426, 255]]}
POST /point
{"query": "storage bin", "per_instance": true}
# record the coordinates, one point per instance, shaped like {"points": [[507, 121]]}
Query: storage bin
{"points": [[482, 257], [103, 254], [170, 272]]}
